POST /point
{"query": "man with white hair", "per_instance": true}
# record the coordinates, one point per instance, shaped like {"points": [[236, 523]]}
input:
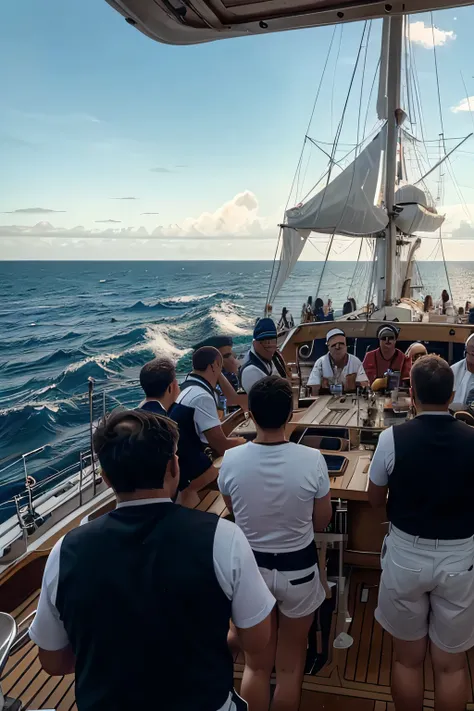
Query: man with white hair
{"points": [[337, 367], [464, 375]]}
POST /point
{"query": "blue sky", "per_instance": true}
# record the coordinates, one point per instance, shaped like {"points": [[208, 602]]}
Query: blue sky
{"points": [[207, 136]]}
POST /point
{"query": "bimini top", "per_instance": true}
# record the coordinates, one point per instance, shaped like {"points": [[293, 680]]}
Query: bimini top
{"points": [[194, 21]]}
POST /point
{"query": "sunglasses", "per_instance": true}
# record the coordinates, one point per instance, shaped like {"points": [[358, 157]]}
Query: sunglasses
{"points": [[387, 339]]}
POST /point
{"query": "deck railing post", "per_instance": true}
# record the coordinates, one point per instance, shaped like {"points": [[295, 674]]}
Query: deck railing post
{"points": [[91, 432]]}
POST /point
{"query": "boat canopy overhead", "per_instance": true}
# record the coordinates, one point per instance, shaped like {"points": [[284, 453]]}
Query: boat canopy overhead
{"points": [[183, 22]]}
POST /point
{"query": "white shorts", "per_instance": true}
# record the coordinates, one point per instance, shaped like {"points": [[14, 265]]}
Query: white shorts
{"points": [[297, 592], [427, 588]]}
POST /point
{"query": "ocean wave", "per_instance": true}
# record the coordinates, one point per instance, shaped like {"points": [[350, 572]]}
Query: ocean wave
{"points": [[180, 302], [36, 341]]}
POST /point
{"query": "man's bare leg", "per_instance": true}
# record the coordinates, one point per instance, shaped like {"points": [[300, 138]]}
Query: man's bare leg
{"points": [[290, 659], [255, 688], [189, 496], [407, 674], [450, 680]]}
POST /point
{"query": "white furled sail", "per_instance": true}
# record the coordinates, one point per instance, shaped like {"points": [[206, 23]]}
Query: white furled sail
{"points": [[415, 212], [293, 242], [347, 205]]}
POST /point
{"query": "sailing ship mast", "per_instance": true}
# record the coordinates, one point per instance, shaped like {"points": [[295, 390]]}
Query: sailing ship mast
{"points": [[394, 49]]}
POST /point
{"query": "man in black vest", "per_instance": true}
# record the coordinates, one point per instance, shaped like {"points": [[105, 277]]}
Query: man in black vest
{"points": [[200, 431], [158, 380], [137, 602], [426, 592], [263, 358]]}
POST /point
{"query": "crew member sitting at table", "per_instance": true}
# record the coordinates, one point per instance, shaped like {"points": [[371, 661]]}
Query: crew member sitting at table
{"points": [[263, 359], [228, 384], [158, 380], [338, 367], [387, 356], [426, 591], [195, 411], [464, 375]]}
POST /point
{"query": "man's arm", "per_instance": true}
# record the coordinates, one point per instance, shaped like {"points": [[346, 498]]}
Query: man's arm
{"points": [[47, 630], [58, 663], [369, 366], [228, 502], [219, 442], [362, 378], [381, 467], [322, 512], [315, 377], [242, 582]]}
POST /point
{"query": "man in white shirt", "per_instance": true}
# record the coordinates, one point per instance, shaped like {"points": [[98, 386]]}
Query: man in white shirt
{"points": [[464, 375], [279, 493], [263, 359], [195, 411], [129, 598], [426, 591], [338, 367]]}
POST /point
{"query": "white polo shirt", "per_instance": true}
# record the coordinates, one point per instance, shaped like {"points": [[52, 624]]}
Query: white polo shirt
{"points": [[323, 368], [273, 488], [463, 383], [251, 374], [205, 408], [234, 565]]}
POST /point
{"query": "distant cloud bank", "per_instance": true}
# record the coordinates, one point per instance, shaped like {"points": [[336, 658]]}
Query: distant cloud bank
{"points": [[31, 211], [466, 104]]}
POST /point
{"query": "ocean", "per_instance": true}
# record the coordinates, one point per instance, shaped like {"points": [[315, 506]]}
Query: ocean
{"points": [[65, 322]]}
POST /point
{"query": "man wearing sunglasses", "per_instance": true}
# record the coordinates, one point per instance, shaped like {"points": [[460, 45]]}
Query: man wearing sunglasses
{"points": [[338, 367], [387, 356]]}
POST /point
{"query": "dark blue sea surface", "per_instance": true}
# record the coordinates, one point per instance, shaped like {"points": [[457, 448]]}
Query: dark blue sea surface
{"points": [[62, 323]]}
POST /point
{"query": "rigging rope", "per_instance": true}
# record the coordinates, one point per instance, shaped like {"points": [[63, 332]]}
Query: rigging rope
{"points": [[333, 152], [299, 162]]}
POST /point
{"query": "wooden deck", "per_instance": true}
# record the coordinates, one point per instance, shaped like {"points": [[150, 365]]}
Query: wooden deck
{"points": [[357, 679]]}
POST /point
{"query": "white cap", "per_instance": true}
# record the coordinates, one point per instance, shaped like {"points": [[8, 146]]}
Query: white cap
{"points": [[334, 332]]}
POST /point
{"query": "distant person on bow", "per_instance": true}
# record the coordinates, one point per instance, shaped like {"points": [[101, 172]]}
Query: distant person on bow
{"points": [[307, 313], [464, 375], [428, 306], [200, 431], [286, 320], [319, 310], [387, 356], [158, 381], [337, 367], [426, 592], [328, 311], [445, 306], [129, 599], [279, 493], [263, 359]]}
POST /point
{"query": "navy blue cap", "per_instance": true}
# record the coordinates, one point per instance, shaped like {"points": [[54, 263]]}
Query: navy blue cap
{"points": [[264, 329]]}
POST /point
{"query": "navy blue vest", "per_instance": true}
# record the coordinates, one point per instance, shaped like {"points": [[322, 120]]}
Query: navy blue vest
{"points": [[194, 457], [264, 366], [431, 489], [154, 406], [144, 611]]}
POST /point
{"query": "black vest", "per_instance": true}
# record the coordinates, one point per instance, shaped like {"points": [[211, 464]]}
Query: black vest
{"points": [[193, 455], [431, 489], [144, 612], [154, 406], [264, 366]]}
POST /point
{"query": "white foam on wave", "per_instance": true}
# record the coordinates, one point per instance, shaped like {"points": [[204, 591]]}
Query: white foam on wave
{"points": [[188, 299], [102, 360], [228, 319], [161, 344]]}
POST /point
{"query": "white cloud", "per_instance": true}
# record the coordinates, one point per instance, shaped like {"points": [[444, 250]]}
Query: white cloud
{"points": [[466, 104], [423, 35]]}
